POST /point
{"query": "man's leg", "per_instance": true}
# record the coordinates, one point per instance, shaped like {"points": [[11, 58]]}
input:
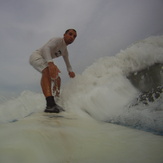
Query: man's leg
{"points": [[46, 88], [46, 83]]}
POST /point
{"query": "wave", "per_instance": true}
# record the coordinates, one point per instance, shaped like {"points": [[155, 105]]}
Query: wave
{"points": [[110, 90], [105, 91]]}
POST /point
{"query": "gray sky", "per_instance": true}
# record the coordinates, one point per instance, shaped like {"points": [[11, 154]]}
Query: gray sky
{"points": [[104, 28]]}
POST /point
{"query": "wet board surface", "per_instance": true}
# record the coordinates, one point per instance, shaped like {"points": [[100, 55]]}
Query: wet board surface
{"points": [[54, 115]]}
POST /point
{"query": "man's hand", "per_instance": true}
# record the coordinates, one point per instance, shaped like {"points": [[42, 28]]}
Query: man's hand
{"points": [[53, 70], [71, 74]]}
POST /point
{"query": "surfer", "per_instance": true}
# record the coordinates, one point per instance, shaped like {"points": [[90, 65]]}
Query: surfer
{"points": [[42, 60]]}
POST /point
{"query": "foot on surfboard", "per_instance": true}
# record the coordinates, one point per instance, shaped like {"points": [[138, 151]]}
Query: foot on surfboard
{"points": [[54, 109]]}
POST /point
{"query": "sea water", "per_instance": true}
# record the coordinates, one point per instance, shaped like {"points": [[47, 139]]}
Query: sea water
{"points": [[101, 122]]}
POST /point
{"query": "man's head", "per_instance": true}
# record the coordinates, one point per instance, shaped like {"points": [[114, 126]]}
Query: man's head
{"points": [[69, 36]]}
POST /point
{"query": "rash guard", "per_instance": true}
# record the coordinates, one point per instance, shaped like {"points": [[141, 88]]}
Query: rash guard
{"points": [[54, 48]]}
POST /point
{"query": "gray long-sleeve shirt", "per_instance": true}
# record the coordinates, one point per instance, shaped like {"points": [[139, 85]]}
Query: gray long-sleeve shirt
{"points": [[54, 48]]}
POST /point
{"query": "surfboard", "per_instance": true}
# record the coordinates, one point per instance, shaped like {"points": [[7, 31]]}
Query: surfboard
{"points": [[54, 115]]}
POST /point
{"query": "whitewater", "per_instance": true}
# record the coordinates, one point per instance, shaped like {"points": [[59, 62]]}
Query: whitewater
{"points": [[103, 120]]}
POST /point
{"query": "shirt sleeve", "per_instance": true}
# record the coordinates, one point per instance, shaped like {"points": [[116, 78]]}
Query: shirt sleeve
{"points": [[67, 62]]}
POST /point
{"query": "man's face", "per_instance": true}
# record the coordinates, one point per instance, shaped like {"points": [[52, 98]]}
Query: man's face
{"points": [[69, 37]]}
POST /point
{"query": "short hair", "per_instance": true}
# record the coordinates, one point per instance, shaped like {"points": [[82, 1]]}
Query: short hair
{"points": [[69, 30]]}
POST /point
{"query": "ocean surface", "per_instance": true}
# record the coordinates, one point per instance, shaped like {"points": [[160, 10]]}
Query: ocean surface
{"points": [[114, 114]]}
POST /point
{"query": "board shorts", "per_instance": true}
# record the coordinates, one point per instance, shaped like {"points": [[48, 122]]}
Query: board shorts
{"points": [[37, 61]]}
